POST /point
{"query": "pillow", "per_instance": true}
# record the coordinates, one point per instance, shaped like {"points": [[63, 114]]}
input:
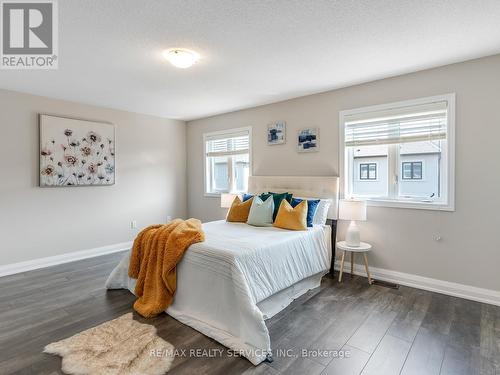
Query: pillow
{"points": [[312, 205], [277, 197], [288, 196], [322, 211], [238, 213], [261, 212], [292, 218], [247, 197], [321, 214]]}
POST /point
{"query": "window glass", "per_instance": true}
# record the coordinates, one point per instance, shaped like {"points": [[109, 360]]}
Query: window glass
{"points": [[370, 164], [241, 172], [372, 171], [363, 168], [227, 161], [400, 154], [417, 171], [407, 171], [421, 166], [220, 174]]}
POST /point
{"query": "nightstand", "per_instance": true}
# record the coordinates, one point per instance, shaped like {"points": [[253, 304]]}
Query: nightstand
{"points": [[362, 248]]}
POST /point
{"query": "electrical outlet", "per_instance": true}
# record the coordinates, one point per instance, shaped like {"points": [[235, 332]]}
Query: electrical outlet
{"points": [[133, 224]]}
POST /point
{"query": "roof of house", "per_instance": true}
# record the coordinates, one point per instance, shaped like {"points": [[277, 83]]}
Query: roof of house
{"points": [[406, 149]]}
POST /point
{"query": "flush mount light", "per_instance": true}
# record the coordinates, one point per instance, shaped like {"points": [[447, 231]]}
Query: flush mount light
{"points": [[181, 57]]}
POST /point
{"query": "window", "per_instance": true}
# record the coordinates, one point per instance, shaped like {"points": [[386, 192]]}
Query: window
{"points": [[367, 171], [400, 154], [411, 170], [227, 161]]}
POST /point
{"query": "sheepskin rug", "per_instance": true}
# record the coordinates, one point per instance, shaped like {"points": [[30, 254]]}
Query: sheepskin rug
{"points": [[121, 346]]}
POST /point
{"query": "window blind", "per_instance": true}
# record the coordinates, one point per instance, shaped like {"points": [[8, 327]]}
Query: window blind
{"points": [[228, 144], [409, 124]]}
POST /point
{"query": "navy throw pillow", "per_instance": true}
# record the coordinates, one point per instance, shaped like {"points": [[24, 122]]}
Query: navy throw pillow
{"points": [[312, 205], [246, 197]]}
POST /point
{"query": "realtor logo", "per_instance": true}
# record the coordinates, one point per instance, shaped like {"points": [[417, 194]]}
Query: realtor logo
{"points": [[29, 34]]}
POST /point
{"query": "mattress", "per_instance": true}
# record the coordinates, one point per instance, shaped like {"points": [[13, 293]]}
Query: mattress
{"points": [[239, 276]]}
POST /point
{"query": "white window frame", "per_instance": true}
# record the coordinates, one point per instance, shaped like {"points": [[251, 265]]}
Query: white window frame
{"points": [[448, 153], [227, 132]]}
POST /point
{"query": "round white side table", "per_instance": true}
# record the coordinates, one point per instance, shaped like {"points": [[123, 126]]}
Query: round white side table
{"points": [[362, 248]]}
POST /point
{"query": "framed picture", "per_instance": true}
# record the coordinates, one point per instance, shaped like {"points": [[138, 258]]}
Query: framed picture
{"points": [[276, 133], [76, 152], [308, 140]]}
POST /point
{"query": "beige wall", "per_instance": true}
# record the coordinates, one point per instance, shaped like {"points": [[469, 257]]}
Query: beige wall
{"points": [[469, 251], [39, 222]]}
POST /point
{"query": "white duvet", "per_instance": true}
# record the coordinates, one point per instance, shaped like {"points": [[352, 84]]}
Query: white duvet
{"points": [[228, 285]]}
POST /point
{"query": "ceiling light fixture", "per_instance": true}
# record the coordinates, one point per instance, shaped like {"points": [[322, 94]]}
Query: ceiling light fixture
{"points": [[181, 57]]}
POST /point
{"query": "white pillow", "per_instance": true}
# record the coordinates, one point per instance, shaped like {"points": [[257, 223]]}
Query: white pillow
{"points": [[322, 211], [321, 214]]}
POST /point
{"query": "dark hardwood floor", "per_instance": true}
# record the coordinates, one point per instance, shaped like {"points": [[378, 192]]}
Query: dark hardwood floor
{"points": [[363, 329]]}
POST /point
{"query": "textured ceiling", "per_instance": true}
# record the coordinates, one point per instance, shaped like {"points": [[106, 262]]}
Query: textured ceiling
{"points": [[253, 52]]}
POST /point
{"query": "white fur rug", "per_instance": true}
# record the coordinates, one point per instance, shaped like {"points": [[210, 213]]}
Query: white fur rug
{"points": [[121, 346]]}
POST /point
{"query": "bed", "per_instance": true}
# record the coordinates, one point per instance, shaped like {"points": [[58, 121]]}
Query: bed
{"points": [[241, 275]]}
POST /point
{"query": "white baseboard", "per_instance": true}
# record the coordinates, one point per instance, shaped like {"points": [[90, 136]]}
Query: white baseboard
{"points": [[420, 282], [29, 265]]}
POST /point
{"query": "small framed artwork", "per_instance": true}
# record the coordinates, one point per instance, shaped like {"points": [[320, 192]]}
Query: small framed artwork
{"points": [[76, 152], [308, 140], [276, 133]]}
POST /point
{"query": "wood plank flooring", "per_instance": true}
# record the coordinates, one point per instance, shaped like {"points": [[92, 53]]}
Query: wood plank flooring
{"points": [[347, 328]]}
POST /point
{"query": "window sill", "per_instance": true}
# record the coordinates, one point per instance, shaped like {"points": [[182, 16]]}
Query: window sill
{"points": [[417, 205], [217, 195], [213, 195]]}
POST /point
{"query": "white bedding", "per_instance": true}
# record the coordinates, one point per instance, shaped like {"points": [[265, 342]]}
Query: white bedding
{"points": [[240, 275]]}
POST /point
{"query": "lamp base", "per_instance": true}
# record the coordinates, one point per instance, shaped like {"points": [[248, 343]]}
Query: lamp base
{"points": [[353, 237]]}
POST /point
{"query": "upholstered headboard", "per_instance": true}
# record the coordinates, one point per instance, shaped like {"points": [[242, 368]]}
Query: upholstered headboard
{"points": [[300, 186]]}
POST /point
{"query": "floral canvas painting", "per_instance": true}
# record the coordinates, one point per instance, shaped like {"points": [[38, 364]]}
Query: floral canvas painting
{"points": [[76, 152], [276, 133]]}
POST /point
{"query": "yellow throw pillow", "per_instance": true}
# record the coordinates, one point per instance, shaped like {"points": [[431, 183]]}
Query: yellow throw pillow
{"points": [[238, 213], [292, 218]]}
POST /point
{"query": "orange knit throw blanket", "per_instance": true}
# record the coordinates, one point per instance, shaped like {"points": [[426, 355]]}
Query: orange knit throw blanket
{"points": [[155, 254]]}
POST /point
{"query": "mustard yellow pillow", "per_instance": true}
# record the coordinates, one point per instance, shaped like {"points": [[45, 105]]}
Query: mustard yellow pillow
{"points": [[238, 213], [292, 218]]}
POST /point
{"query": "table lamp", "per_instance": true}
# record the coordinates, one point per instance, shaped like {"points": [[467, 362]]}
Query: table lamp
{"points": [[226, 200], [354, 211]]}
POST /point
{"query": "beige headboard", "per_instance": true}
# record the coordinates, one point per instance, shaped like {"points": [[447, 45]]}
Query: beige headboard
{"points": [[300, 186]]}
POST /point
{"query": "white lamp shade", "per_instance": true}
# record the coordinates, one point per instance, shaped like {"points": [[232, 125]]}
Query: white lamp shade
{"points": [[226, 200], [352, 210]]}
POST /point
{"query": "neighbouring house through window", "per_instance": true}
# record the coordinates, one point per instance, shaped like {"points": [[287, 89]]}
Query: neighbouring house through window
{"points": [[227, 161], [400, 154]]}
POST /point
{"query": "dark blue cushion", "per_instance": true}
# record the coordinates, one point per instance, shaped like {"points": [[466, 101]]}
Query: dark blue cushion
{"points": [[312, 205], [247, 197]]}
